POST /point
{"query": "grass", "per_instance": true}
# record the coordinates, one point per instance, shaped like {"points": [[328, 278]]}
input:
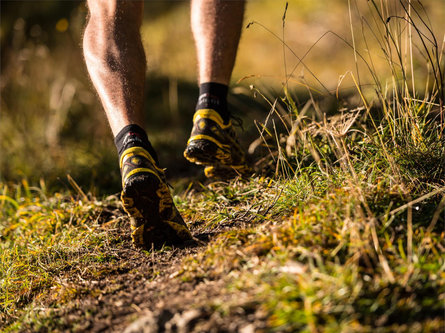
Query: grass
{"points": [[358, 241], [299, 253], [46, 238], [316, 261], [341, 230]]}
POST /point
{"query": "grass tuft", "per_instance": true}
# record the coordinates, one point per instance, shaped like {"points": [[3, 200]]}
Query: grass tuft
{"points": [[46, 238]]}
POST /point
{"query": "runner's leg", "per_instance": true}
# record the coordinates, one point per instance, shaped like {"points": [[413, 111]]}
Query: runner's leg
{"points": [[116, 62], [115, 59], [216, 26]]}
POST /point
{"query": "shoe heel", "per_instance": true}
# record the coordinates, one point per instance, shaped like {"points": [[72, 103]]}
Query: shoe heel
{"points": [[205, 152]]}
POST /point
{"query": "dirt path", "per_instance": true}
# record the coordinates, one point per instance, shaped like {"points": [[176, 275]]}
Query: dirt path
{"points": [[142, 292]]}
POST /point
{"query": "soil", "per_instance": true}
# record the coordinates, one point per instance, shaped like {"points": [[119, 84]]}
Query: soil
{"points": [[140, 291]]}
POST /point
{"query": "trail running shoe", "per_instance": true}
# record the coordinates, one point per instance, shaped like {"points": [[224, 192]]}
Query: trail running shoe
{"points": [[212, 142], [146, 198]]}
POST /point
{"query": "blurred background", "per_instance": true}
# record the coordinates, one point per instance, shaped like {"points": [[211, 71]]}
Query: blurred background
{"points": [[51, 123]]}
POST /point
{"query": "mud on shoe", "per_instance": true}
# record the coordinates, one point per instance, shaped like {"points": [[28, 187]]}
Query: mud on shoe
{"points": [[212, 142], [145, 196]]}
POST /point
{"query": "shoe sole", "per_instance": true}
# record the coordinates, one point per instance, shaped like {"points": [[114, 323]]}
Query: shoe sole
{"points": [[205, 152], [143, 198], [227, 172]]}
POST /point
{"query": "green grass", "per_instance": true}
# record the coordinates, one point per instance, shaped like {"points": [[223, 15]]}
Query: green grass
{"points": [[340, 230], [355, 240], [318, 262], [301, 253], [46, 238]]}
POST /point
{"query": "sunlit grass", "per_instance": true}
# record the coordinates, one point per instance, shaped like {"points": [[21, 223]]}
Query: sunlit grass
{"points": [[318, 260], [341, 229], [45, 237], [353, 243]]}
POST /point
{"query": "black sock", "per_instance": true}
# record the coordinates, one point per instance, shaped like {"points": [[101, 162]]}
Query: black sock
{"points": [[133, 136], [213, 96]]}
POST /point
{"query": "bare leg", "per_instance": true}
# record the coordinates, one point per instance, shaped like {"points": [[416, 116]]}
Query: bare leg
{"points": [[115, 59], [216, 26], [116, 62]]}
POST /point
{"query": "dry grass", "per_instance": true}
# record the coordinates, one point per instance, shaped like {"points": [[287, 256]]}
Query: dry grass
{"points": [[342, 228]]}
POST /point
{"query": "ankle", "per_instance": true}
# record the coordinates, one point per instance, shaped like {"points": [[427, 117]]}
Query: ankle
{"points": [[134, 136], [213, 96]]}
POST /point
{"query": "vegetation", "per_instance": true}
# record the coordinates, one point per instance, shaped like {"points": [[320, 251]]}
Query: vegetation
{"points": [[340, 229]]}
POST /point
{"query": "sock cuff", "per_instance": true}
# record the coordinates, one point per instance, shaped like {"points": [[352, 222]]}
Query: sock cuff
{"points": [[218, 89], [133, 135], [213, 95], [129, 129]]}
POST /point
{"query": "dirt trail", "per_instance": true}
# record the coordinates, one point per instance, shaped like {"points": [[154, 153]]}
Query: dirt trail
{"points": [[143, 293]]}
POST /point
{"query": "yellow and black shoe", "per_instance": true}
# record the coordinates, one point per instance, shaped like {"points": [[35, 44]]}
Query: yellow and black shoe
{"points": [[212, 142], [155, 221]]}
